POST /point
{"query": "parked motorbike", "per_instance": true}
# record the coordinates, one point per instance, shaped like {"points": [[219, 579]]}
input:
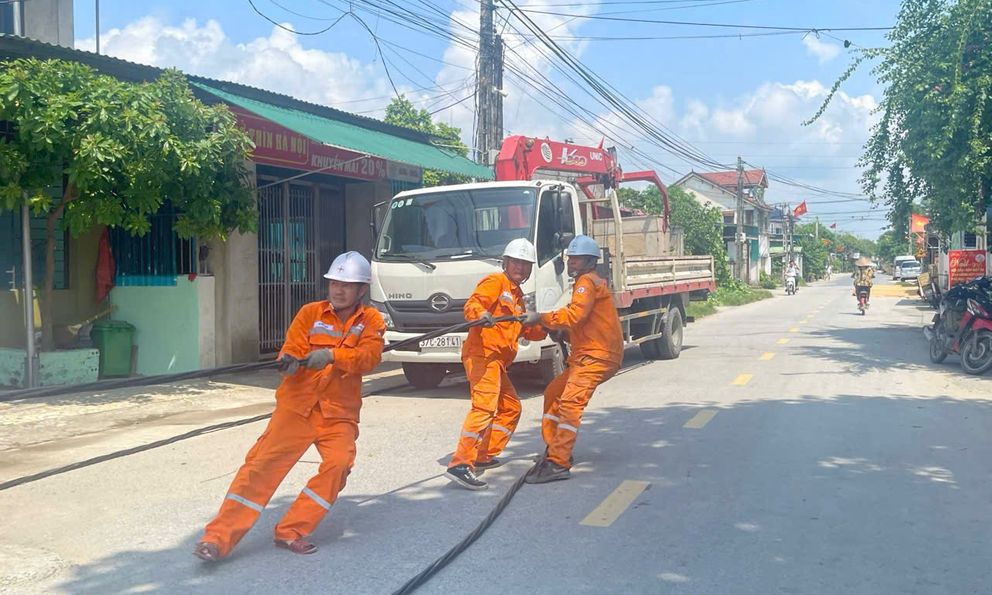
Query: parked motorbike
{"points": [[863, 300], [963, 325], [790, 285]]}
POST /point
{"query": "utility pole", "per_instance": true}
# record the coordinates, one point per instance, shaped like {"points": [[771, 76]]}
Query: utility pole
{"points": [[739, 233], [489, 86], [817, 229], [30, 371]]}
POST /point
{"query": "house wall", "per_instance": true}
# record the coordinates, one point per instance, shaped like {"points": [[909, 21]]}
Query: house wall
{"points": [[167, 324], [233, 265], [72, 305], [359, 200], [49, 21]]}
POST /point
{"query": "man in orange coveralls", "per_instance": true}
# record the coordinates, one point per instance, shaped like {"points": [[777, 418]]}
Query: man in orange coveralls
{"points": [[335, 341], [596, 339], [487, 353]]}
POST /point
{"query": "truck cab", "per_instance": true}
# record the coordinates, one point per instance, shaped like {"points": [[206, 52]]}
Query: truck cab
{"points": [[433, 247]]}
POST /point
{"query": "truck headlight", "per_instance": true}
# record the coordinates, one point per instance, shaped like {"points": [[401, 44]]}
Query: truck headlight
{"points": [[381, 307]]}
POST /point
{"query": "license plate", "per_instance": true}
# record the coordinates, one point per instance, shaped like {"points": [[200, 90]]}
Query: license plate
{"points": [[445, 343]]}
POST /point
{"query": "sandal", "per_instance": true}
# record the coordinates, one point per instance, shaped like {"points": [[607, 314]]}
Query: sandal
{"points": [[206, 551], [297, 546]]}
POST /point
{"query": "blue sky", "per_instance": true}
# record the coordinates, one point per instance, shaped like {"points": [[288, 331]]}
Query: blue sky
{"points": [[725, 96]]}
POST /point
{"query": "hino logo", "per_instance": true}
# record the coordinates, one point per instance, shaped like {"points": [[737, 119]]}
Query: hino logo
{"points": [[401, 296], [439, 302]]}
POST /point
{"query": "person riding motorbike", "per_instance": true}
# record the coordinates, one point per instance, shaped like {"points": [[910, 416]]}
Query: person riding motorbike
{"points": [[864, 277], [792, 272]]}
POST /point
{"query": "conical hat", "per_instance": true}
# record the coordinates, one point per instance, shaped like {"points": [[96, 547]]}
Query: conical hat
{"points": [[864, 261]]}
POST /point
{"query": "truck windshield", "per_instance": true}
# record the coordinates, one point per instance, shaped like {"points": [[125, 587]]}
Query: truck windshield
{"points": [[456, 223]]}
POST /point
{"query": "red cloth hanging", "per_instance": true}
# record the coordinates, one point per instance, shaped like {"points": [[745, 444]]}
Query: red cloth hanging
{"points": [[105, 267]]}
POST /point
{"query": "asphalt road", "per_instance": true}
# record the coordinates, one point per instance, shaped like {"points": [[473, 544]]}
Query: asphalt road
{"points": [[795, 447]]}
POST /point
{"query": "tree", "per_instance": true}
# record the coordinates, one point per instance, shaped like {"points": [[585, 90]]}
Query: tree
{"points": [[118, 150], [401, 112], [933, 143], [702, 226]]}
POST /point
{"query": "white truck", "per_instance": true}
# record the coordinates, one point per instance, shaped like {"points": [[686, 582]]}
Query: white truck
{"points": [[435, 244]]}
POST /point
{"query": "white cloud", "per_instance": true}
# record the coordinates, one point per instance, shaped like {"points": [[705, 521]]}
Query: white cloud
{"points": [[277, 63], [823, 50]]}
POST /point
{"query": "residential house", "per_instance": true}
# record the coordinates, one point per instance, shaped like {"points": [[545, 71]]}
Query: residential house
{"points": [[318, 173], [719, 190]]}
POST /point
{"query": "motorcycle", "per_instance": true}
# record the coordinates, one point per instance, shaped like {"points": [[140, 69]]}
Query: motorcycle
{"points": [[790, 285], [863, 300], [963, 325]]}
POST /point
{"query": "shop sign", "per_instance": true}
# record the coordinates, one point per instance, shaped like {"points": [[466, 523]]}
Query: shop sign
{"points": [[965, 265]]}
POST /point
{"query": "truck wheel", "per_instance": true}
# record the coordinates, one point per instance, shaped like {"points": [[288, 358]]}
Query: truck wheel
{"points": [[551, 368], [424, 375], [670, 345]]}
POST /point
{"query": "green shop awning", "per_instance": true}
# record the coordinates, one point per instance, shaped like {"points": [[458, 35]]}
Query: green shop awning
{"points": [[345, 135]]}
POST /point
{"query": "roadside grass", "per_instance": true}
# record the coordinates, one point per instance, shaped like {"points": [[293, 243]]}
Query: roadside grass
{"points": [[732, 295]]}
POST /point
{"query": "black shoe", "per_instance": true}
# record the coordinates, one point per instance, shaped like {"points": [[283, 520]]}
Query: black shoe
{"points": [[547, 471], [483, 466], [465, 477]]}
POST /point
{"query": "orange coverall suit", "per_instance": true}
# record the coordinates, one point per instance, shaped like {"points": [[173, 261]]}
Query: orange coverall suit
{"points": [[312, 407], [487, 353], [597, 350]]}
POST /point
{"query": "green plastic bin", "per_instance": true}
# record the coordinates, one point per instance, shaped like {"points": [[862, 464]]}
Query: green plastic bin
{"points": [[114, 339]]}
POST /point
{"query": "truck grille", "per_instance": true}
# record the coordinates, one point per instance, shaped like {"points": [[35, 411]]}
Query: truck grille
{"points": [[417, 316]]}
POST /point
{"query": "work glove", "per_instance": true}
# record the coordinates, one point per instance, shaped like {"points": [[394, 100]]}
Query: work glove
{"points": [[531, 318], [487, 317], [319, 359], [288, 365]]}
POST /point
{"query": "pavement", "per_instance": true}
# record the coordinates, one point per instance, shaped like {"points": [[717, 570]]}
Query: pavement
{"points": [[795, 447]]}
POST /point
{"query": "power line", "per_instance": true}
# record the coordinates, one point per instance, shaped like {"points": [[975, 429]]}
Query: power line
{"points": [[705, 24]]}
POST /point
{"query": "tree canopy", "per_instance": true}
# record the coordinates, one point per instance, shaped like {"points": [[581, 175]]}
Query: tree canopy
{"points": [[118, 151], [932, 145], [401, 112]]}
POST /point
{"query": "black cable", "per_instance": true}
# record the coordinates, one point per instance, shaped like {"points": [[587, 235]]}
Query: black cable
{"points": [[426, 574], [13, 483], [284, 28]]}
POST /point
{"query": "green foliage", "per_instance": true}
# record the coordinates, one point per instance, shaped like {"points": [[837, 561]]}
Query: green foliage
{"points": [[120, 150], [401, 112], [703, 226], [766, 281], [932, 145]]}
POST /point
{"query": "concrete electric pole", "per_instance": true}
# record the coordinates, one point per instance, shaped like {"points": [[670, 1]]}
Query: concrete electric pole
{"points": [[739, 233], [489, 87]]}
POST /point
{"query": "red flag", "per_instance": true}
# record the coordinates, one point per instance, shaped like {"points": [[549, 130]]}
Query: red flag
{"points": [[834, 226], [800, 210], [917, 223]]}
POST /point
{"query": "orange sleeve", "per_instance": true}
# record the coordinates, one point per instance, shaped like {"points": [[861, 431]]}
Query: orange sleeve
{"points": [[577, 310], [297, 342], [366, 355], [485, 295]]}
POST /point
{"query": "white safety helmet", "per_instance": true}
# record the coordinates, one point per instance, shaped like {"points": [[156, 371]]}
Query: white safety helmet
{"points": [[582, 246], [350, 267], [521, 249]]}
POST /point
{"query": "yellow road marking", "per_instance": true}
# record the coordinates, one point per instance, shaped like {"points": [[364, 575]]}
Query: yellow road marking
{"points": [[700, 419], [610, 509], [742, 379], [767, 356], [783, 341], [794, 329]]}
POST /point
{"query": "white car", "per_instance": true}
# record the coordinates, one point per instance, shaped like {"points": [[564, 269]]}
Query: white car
{"points": [[909, 270]]}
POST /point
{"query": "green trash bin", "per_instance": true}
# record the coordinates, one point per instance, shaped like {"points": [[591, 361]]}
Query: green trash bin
{"points": [[114, 339]]}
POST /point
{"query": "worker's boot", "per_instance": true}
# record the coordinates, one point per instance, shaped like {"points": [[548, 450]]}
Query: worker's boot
{"points": [[483, 466], [547, 471], [465, 477]]}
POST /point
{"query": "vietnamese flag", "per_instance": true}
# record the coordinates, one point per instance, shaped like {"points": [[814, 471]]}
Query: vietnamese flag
{"points": [[917, 223], [800, 210]]}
